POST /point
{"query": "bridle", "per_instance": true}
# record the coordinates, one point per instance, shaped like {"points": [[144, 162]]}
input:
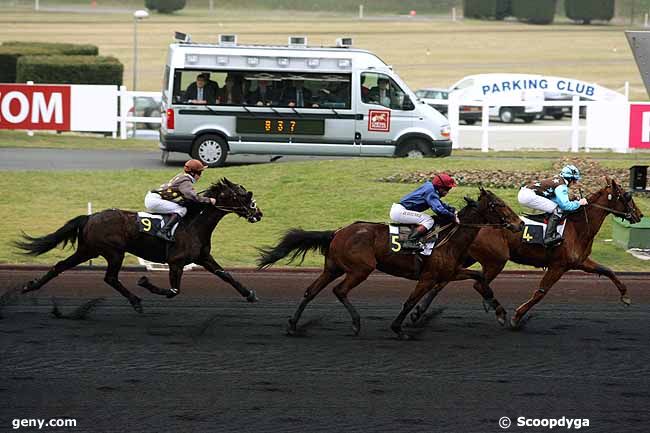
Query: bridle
{"points": [[248, 208], [627, 215]]}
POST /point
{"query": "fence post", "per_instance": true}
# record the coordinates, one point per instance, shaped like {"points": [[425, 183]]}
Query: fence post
{"points": [[575, 124], [360, 12], [123, 113], [452, 116], [90, 212], [485, 125], [453, 14]]}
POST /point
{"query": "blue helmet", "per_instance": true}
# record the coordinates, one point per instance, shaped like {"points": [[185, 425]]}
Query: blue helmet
{"points": [[570, 172]]}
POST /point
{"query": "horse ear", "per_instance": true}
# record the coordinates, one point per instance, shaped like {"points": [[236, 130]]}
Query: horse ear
{"points": [[227, 182], [470, 201], [608, 180]]}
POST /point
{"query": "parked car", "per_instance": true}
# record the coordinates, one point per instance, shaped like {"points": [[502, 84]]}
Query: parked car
{"points": [[556, 112], [146, 106], [435, 97]]}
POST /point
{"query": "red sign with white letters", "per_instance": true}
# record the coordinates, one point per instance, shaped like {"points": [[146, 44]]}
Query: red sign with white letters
{"points": [[379, 120], [34, 107], [640, 126]]}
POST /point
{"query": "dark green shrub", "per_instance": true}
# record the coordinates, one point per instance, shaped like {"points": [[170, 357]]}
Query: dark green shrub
{"points": [[486, 9], [588, 10], [57, 47], [534, 11], [70, 70], [165, 6]]}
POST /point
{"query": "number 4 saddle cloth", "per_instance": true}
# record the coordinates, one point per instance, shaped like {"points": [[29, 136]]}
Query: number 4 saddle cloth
{"points": [[535, 228], [151, 224], [399, 233]]}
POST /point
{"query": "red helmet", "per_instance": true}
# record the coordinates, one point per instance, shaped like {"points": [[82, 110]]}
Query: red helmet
{"points": [[444, 181], [194, 166]]}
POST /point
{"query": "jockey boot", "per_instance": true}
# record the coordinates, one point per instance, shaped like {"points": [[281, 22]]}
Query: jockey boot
{"points": [[413, 241], [166, 231], [552, 237]]}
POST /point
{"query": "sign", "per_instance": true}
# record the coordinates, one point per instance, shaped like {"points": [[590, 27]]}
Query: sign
{"points": [[58, 107], [34, 107], [379, 120], [640, 126]]}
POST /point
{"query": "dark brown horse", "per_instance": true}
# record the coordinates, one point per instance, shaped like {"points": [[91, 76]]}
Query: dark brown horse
{"points": [[112, 233], [360, 248], [493, 247]]}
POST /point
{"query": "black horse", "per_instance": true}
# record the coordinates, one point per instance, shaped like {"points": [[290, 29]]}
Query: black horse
{"points": [[114, 232]]}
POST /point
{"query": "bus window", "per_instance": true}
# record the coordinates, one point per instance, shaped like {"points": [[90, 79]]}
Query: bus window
{"points": [[382, 90]]}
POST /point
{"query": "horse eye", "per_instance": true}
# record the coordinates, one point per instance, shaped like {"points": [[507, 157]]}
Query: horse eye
{"points": [[253, 204]]}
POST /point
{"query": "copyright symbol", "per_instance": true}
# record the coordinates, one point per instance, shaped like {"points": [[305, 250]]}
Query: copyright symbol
{"points": [[504, 422]]}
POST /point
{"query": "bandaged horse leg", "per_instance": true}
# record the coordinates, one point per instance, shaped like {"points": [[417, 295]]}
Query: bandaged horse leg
{"points": [[593, 267], [175, 274], [211, 265], [422, 288]]}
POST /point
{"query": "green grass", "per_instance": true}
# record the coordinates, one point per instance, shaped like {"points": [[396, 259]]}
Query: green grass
{"points": [[51, 140], [314, 195]]}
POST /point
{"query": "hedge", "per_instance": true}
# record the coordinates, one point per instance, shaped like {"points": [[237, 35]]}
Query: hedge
{"points": [[534, 11], [481, 9], [70, 70], [165, 6], [11, 51], [588, 10]]}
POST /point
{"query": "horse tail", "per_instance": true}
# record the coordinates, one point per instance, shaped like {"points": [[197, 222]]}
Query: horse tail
{"points": [[295, 242], [69, 233]]}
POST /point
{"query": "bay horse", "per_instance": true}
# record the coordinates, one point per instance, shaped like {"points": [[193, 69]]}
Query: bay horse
{"points": [[360, 248], [493, 247], [112, 233]]}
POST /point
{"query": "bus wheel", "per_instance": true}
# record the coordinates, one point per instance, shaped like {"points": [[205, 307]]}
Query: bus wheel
{"points": [[414, 149], [210, 149]]}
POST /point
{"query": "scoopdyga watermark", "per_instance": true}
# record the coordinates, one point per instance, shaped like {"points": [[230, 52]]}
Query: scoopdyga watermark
{"points": [[549, 423]]}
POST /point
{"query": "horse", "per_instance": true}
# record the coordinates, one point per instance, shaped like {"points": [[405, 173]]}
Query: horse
{"points": [[360, 248], [493, 247], [112, 233]]}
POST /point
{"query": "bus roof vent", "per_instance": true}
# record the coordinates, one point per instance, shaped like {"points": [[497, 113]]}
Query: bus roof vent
{"points": [[228, 40], [344, 42], [298, 41], [183, 37]]}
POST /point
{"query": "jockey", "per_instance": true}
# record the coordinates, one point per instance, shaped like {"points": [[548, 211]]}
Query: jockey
{"points": [[165, 199], [409, 209], [552, 196]]}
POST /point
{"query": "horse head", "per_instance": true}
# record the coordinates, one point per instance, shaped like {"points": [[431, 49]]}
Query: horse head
{"points": [[496, 211], [232, 197], [617, 201]]}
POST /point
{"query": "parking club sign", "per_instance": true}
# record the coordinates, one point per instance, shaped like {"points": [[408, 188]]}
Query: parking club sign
{"points": [[640, 126], [379, 120]]}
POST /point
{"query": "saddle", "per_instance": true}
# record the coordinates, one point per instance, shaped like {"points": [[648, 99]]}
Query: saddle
{"points": [[535, 228], [151, 224], [398, 237]]}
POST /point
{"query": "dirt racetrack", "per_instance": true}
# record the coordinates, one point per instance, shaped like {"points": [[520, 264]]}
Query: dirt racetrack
{"points": [[207, 361]]}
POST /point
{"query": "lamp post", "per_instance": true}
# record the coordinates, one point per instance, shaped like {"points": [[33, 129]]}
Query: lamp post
{"points": [[137, 16]]}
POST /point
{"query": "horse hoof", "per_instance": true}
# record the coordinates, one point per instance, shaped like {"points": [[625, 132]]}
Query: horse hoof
{"points": [[137, 305], [514, 324], [171, 293], [28, 287], [626, 300], [486, 306], [143, 282], [501, 320], [291, 328], [356, 329], [252, 297]]}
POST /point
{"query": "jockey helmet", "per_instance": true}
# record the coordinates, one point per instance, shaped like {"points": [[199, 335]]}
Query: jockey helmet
{"points": [[194, 166], [444, 181], [570, 172]]}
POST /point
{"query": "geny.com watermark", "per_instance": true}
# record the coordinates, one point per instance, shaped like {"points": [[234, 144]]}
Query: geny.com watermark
{"points": [[40, 423], [550, 423]]}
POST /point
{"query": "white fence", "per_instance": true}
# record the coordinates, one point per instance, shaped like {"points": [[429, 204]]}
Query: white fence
{"points": [[127, 100]]}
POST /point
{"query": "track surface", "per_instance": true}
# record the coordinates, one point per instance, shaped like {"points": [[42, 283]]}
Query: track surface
{"points": [[208, 361]]}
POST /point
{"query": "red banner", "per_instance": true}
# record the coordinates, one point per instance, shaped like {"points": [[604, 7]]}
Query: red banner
{"points": [[640, 126], [34, 107]]}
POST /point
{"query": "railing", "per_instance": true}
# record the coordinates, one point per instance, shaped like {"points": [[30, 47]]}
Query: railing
{"points": [[124, 118]]}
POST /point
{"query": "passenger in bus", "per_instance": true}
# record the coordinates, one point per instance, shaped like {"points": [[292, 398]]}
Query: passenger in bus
{"points": [[298, 96], [264, 95], [202, 91], [364, 89], [335, 95], [230, 93], [381, 94]]}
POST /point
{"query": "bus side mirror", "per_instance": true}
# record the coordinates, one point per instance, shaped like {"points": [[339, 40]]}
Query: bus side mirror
{"points": [[407, 105]]}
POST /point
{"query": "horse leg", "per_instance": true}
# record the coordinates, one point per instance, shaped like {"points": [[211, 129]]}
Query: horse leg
{"points": [[352, 280], [490, 272], [421, 289], [424, 305], [211, 265], [591, 266], [175, 274], [77, 258], [326, 277], [114, 265], [551, 276]]}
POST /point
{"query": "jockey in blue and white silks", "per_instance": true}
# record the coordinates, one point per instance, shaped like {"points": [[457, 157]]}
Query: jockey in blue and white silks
{"points": [[552, 196]]}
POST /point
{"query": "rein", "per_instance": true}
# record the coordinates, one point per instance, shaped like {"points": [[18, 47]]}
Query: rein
{"points": [[613, 211]]}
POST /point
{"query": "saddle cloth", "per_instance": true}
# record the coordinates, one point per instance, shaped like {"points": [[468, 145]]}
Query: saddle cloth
{"points": [[398, 233], [151, 224], [534, 231]]}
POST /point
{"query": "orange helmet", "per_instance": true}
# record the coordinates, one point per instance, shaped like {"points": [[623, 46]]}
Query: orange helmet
{"points": [[444, 181], [194, 166]]}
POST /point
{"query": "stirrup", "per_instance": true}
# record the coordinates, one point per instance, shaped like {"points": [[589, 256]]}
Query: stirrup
{"points": [[166, 236]]}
